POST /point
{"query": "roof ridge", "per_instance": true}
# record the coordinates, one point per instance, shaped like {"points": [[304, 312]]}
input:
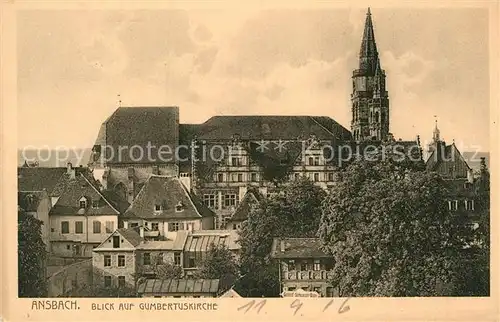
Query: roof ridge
{"points": [[321, 125], [102, 196], [188, 195]]}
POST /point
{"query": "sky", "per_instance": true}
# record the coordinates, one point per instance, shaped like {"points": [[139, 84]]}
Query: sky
{"points": [[73, 64]]}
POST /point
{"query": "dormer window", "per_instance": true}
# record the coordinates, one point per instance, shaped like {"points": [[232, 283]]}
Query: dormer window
{"points": [[95, 203], [158, 207], [179, 207], [83, 203]]}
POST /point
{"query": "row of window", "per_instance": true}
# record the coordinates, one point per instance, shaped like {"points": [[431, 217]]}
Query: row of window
{"points": [[312, 161], [147, 259], [96, 227], [173, 226], [238, 177], [83, 202], [454, 205], [108, 281], [179, 207], [228, 200], [305, 265]]}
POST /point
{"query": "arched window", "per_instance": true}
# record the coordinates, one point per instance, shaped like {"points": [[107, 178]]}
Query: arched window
{"points": [[377, 117]]}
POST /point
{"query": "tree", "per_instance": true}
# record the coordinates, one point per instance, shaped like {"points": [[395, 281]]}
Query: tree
{"points": [[390, 232], [295, 213], [220, 264], [31, 256]]}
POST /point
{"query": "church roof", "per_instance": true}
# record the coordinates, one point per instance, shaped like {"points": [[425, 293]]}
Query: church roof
{"points": [[130, 127]]}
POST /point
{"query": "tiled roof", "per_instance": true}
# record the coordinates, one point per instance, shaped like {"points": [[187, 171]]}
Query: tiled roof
{"points": [[116, 200], [201, 240], [243, 209], [73, 190], [436, 158], [297, 248], [37, 179], [29, 200], [167, 192], [179, 286], [139, 126], [273, 127], [131, 235]]}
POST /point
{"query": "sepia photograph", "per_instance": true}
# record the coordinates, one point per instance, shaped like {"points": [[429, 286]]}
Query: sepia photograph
{"points": [[267, 153]]}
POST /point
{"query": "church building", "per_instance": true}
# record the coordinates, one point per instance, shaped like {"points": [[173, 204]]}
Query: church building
{"points": [[222, 159]]}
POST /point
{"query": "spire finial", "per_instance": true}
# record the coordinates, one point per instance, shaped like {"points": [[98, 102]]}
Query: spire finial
{"points": [[119, 101], [369, 12]]}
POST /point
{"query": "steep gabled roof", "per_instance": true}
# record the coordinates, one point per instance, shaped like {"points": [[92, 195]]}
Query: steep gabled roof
{"points": [[131, 236], [80, 187], [444, 153], [167, 192], [241, 213]]}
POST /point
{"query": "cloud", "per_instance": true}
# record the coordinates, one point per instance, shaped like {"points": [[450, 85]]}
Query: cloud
{"points": [[209, 62]]}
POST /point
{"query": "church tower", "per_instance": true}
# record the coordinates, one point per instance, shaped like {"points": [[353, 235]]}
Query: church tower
{"points": [[369, 98]]}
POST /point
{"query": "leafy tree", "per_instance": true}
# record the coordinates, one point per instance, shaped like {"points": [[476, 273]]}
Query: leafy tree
{"points": [[31, 256], [295, 213], [390, 232], [221, 264]]}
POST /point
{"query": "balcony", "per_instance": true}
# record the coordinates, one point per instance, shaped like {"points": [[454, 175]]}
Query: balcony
{"points": [[308, 275]]}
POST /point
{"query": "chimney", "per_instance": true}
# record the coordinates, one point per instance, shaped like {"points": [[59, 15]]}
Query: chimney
{"points": [[70, 170], [470, 176], [141, 231], [282, 246], [156, 170]]}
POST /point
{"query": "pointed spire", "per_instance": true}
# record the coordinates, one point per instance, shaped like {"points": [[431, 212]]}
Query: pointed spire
{"points": [[368, 53], [436, 133]]}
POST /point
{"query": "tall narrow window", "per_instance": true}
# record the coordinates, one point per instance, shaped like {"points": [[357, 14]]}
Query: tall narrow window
{"points": [[107, 260], [146, 259], [107, 281], [78, 227], [177, 258], [64, 227], [110, 226], [121, 260], [96, 227]]}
